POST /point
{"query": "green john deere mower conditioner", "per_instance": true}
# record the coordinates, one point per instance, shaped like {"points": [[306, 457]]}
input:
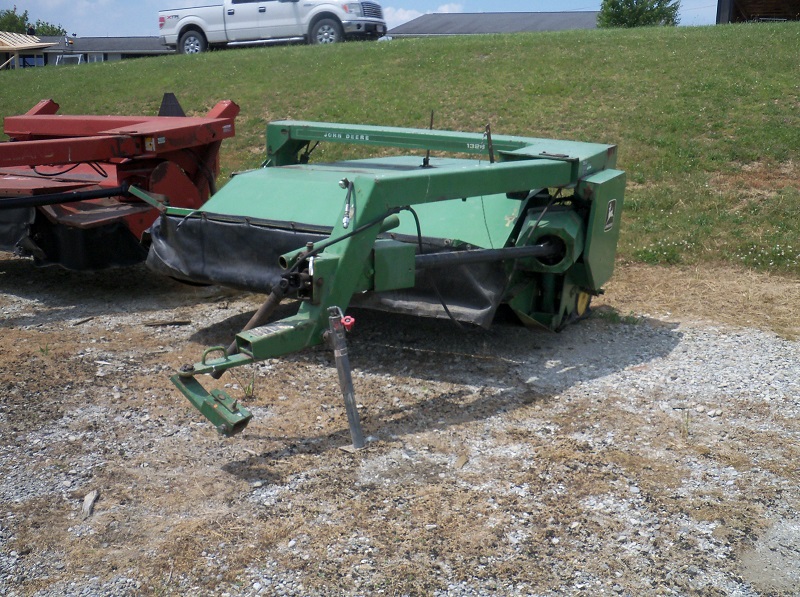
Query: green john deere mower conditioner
{"points": [[531, 223]]}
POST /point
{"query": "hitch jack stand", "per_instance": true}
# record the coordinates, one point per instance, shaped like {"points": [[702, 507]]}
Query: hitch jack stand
{"points": [[338, 342]]}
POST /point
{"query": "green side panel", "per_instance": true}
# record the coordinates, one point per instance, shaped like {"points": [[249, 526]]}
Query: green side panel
{"points": [[394, 265], [606, 191]]}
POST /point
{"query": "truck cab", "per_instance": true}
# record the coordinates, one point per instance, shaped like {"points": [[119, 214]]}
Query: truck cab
{"points": [[194, 26]]}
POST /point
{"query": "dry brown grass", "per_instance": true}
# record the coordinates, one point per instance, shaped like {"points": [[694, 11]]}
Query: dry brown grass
{"points": [[719, 294], [759, 179]]}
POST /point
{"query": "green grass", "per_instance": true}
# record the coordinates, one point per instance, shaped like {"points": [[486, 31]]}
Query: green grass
{"points": [[707, 119]]}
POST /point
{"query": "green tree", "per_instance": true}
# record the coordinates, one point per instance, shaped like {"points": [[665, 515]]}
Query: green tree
{"points": [[45, 28], [638, 13], [14, 22]]}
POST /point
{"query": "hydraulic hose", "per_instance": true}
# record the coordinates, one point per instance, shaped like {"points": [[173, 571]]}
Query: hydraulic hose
{"points": [[58, 198]]}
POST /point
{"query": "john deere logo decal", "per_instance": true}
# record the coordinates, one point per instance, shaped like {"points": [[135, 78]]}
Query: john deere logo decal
{"points": [[612, 210]]}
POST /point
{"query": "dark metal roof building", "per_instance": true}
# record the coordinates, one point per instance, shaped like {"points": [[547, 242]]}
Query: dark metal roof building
{"points": [[101, 49], [494, 22], [739, 11]]}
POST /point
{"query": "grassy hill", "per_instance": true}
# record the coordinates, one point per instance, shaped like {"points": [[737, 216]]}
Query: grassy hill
{"points": [[707, 119]]}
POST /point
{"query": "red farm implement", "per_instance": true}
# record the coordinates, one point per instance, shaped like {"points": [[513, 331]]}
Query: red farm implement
{"points": [[80, 191]]}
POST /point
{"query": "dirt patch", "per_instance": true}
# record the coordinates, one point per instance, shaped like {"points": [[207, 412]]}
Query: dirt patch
{"points": [[773, 563], [759, 180], [650, 449], [720, 294]]}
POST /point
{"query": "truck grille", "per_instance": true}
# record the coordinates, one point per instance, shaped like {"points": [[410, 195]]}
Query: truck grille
{"points": [[372, 10]]}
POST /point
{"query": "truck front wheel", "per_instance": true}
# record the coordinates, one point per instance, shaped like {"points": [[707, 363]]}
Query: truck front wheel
{"points": [[326, 31], [192, 42]]}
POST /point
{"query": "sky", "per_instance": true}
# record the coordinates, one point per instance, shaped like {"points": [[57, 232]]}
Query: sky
{"points": [[92, 18]]}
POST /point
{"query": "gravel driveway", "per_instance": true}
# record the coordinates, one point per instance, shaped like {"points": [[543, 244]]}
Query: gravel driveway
{"points": [[624, 456]]}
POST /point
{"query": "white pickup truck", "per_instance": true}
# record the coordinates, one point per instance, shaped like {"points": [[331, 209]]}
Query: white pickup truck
{"points": [[194, 26]]}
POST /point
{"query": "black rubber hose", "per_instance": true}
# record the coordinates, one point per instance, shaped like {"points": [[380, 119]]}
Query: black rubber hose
{"points": [[58, 198]]}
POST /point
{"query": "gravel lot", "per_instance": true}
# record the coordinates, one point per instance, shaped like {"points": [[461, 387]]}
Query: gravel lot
{"points": [[651, 449]]}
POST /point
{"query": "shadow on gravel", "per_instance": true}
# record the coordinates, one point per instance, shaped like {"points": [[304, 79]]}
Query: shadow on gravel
{"points": [[71, 295], [436, 413], [504, 368], [224, 332], [422, 348]]}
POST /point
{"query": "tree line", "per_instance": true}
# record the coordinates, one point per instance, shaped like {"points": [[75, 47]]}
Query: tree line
{"points": [[638, 13], [13, 22]]}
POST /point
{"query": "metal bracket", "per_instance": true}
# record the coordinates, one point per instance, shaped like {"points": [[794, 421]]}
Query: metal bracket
{"points": [[224, 412], [160, 202]]}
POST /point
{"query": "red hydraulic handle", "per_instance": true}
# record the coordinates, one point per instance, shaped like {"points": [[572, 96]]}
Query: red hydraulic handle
{"points": [[348, 322]]}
